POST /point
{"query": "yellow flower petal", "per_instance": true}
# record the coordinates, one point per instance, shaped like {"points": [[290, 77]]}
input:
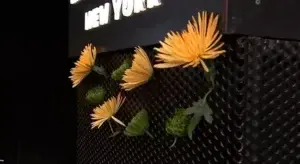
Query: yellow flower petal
{"points": [[199, 41], [84, 65], [140, 71], [106, 110]]}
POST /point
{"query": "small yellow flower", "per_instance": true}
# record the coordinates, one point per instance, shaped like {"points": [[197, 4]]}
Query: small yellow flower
{"points": [[107, 111], [200, 41], [84, 65], [140, 72]]}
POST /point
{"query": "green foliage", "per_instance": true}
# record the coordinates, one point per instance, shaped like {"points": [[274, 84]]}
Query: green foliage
{"points": [[118, 73], [199, 109], [95, 95], [177, 124], [138, 124], [193, 124], [100, 70]]}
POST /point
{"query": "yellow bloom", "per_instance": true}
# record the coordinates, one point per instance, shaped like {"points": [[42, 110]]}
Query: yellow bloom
{"points": [[84, 65], [107, 111], [140, 72], [200, 41]]}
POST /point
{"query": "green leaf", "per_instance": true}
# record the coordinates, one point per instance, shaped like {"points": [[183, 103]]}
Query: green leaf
{"points": [[207, 113], [118, 73], [100, 70], [200, 109], [196, 108], [177, 124], [193, 124], [206, 109], [95, 95], [138, 124], [208, 118]]}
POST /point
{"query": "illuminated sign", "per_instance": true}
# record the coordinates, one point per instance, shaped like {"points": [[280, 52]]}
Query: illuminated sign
{"points": [[74, 1], [102, 15], [121, 24]]}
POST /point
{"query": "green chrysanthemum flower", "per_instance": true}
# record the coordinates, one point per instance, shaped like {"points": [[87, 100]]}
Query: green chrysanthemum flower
{"points": [[118, 73], [138, 125], [177, 124], [95, 95]]}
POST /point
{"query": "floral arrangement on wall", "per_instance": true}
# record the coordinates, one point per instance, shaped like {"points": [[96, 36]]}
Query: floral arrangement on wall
{"points": [[195, 46]]}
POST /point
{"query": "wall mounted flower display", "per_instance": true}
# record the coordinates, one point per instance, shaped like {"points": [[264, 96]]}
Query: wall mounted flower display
{"points": [[85, 65], [95, 95], [197, 45], [138, 125], [201, 40], [107, 111], [140, 72], [118, 73]]}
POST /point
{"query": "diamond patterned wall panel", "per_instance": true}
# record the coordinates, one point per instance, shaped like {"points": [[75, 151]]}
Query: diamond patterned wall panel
{"points": [[272, 122], [256, 106]]}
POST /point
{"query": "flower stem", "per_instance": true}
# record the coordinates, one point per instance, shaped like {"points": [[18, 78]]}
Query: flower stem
{"points": [[111, 128], [115, 134], [205, 96], [212, 81], [149, 134], [118, 121], [100, 70], [174, 142]]}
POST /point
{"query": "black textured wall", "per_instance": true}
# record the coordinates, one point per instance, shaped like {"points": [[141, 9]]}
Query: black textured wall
{"points": [[256, 106], [271, 128]]}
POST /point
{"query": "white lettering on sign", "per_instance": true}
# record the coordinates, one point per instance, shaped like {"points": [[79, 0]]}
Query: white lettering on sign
{"points": [[96, 17], [104, 13], [74, 1], [101, 15], [151, 4], [139, 5], [117, 8], [127, 7]]}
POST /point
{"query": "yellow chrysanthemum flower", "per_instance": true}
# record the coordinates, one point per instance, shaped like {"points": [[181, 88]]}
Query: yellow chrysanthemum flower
{"points": [[200, 41], [85, 65], [140, 71], [107, 111]]}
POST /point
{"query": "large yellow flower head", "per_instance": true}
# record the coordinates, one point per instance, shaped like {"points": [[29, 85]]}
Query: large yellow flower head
{"points": [[84, 65], [107, 111], [140, 71], [200, 41]]}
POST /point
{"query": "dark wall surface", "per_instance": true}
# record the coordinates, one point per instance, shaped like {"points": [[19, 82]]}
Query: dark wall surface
{"points": [[37, 116], [268, 18]]}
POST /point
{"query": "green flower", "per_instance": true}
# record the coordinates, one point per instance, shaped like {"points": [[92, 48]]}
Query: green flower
{"points": [[177, 124], [95, 95], [118, 73], [138, 125]]}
